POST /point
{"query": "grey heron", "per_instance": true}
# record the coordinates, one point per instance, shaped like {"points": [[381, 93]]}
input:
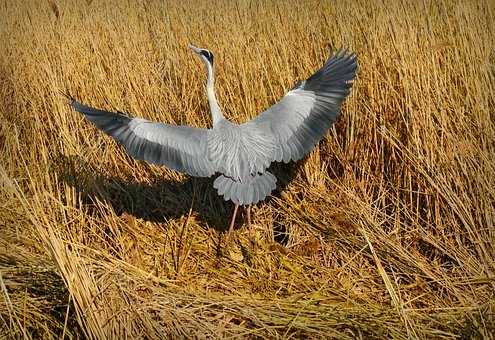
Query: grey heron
{"points": [[239, 154]]}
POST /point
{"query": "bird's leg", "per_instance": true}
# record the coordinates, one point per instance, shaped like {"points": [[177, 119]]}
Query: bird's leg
{"points": [[248, 212], [233, 218]]}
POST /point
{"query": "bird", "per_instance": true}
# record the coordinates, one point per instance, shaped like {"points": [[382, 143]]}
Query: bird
{"points": [[239, 155]]}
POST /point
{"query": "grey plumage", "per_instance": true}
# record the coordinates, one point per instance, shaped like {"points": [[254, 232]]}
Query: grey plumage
{"points": [[241, 154], [181, 148], [301, 118]]}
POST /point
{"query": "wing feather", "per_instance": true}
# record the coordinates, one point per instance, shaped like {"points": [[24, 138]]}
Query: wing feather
{"points": [[181, 148], [301, 118]]}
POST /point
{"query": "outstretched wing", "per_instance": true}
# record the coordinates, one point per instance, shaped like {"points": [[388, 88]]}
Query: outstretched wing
{"points": [[181, 148], [301, 118]]}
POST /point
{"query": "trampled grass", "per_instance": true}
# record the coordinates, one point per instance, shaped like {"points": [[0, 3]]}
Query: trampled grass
{"points": [[385, 230]]}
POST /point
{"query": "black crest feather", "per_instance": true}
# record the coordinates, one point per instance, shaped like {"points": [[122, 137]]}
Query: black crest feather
{"points": [[208, 55]]}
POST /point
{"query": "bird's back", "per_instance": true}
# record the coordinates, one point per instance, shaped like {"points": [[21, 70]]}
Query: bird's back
{"points": [[240, 151]]}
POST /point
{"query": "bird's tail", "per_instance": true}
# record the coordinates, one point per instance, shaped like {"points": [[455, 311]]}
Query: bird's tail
{"points": [[248, 192]]}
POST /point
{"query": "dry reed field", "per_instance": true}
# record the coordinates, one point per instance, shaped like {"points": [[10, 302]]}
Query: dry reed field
{"points": [[385, 230]]}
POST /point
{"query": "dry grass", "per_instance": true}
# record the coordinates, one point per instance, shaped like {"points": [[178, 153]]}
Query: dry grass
{"points": [[385, 230]]}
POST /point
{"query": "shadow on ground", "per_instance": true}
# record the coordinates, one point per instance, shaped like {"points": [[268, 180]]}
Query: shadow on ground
{"points": [[159, 199]]}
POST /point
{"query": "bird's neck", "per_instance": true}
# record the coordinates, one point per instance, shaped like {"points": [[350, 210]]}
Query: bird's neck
{"points": [[216, 112]]}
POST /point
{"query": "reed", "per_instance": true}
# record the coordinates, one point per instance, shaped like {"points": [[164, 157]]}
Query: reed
{"points": [[386, 230]]}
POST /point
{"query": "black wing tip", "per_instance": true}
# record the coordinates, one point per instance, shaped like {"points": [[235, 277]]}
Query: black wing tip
{"points": [[71, 100], [343, 53], [90, 111], [340, 53], [345, 58]]}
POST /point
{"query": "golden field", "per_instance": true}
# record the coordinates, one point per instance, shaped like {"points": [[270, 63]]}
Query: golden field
{"points": [[386, 230]]}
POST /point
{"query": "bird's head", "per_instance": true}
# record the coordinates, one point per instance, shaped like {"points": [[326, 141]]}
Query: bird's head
{"points": [[204, 54]]}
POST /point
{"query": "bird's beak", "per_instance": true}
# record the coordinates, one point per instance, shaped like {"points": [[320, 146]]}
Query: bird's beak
{"points": [[195, 49]]}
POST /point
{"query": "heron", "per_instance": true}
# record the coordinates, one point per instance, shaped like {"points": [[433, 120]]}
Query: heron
{"points": [[238, 154]]}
